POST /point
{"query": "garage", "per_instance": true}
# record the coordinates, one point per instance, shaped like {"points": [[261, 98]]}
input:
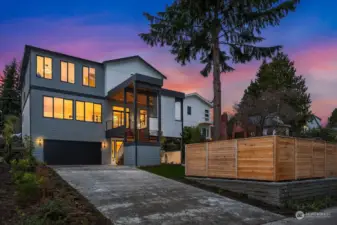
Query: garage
{"points": [[58, 152]]}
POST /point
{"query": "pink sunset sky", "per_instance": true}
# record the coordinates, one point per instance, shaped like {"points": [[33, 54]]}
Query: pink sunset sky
{"points": [[309, 38]]}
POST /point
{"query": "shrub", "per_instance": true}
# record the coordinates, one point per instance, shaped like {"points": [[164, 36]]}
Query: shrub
{"points": [[53, 212], [27, 188]]}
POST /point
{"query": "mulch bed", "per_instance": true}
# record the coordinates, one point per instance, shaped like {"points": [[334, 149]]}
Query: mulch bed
{"points": [[80, 210]]}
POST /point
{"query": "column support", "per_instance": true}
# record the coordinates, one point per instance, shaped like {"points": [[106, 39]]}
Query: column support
{"points": [[159, 116], [135, 120], [125, 122]]}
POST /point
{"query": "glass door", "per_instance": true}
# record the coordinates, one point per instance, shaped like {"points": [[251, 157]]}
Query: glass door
{"points": [[115, 148]]}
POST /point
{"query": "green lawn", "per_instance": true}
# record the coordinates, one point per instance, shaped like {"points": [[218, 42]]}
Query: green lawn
{"points": [[176, 172]]}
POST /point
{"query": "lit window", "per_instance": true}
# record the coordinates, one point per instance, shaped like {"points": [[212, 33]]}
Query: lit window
{"points": [[118, 116], [68, 109], [92, 77], [67, 72], [85, 76], [47, 107], [58, 108], [142, 119], [153, 106], [89, 111], [98, 113], [89, 77], [80, 111], [44, 67]]}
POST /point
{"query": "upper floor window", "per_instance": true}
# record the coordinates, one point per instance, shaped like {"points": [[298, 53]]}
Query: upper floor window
{"points": [[89, 76], [67, 72], [206, 115], [189, 110], [88, 111], [44, 67], [58, 108], [177, 110]]}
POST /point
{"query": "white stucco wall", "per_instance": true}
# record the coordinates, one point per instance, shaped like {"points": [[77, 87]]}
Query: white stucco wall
{"points": [[117, 72], [198, 111]]}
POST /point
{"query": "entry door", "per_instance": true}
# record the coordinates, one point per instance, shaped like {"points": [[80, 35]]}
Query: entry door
{"points": [[115, 147]]}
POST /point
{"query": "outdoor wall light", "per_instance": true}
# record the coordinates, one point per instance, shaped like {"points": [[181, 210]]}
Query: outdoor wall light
{"points": [[39, 141], [104, 144]]}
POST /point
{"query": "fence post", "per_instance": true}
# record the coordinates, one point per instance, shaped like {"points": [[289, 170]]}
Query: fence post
{"points": [[186, 172], [274, 157], [325, 159], [236, 158], [206, 147]]}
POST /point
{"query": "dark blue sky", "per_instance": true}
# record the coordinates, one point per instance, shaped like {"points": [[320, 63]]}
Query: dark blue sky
{"points": [[101, 30]]}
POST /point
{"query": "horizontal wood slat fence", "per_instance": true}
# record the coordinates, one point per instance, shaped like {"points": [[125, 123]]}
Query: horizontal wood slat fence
{"points": [[268, 158]]}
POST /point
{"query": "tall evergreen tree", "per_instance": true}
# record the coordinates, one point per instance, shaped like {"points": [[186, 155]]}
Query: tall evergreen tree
{"points": [[332, 121], [10, 95], [218, 33], [280, 74]]}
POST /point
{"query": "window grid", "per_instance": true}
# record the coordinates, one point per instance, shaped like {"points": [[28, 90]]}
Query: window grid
{"points": [[89, 76], [88, 112], [57, 108]]}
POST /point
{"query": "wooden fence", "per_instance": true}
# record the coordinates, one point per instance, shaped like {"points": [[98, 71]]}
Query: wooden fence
{"points": [[269, 158]]}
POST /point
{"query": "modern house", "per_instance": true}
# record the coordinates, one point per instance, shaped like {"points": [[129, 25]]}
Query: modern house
{"points": [[197, 113], [79, 111]]}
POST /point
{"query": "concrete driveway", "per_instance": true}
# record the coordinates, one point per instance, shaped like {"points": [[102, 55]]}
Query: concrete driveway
{"points": [[132, 196]]}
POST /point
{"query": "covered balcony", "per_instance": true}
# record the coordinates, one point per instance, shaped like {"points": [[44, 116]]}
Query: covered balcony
{"points": [[135, 111]]}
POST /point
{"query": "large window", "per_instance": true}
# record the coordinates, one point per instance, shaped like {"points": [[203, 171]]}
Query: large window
{"points": [[118, 116], [177, 109], [89, 112], [89, 76], [67, 72], [58, 108], [44, 67]]}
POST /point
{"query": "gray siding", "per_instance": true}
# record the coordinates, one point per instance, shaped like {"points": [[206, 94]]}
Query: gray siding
{"points": [[56, 82], [129, 155], [25, 86], [26, 118], [148, 155], [59, 129]]}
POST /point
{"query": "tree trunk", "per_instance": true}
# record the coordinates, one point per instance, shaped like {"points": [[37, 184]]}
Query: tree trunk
{"points": [[216, 87]]}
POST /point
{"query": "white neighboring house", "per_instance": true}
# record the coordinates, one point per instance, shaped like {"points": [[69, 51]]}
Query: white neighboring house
{"points": [[197, 113]]}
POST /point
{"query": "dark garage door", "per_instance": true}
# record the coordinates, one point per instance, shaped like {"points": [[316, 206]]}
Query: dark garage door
{"points": [[72, 152]]}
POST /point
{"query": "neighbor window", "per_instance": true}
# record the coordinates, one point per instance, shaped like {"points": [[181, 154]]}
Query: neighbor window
{"points": [[58, 108], [177, 109], [89, 76], [44, 67], [67, 72], [206, 115], [118, 116], [189, 110], [88, 111]]}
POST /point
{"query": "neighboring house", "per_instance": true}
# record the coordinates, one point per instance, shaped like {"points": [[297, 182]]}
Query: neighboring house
{"points": [[272, 125], [314, 122], [79, 111], [197, 112]]}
